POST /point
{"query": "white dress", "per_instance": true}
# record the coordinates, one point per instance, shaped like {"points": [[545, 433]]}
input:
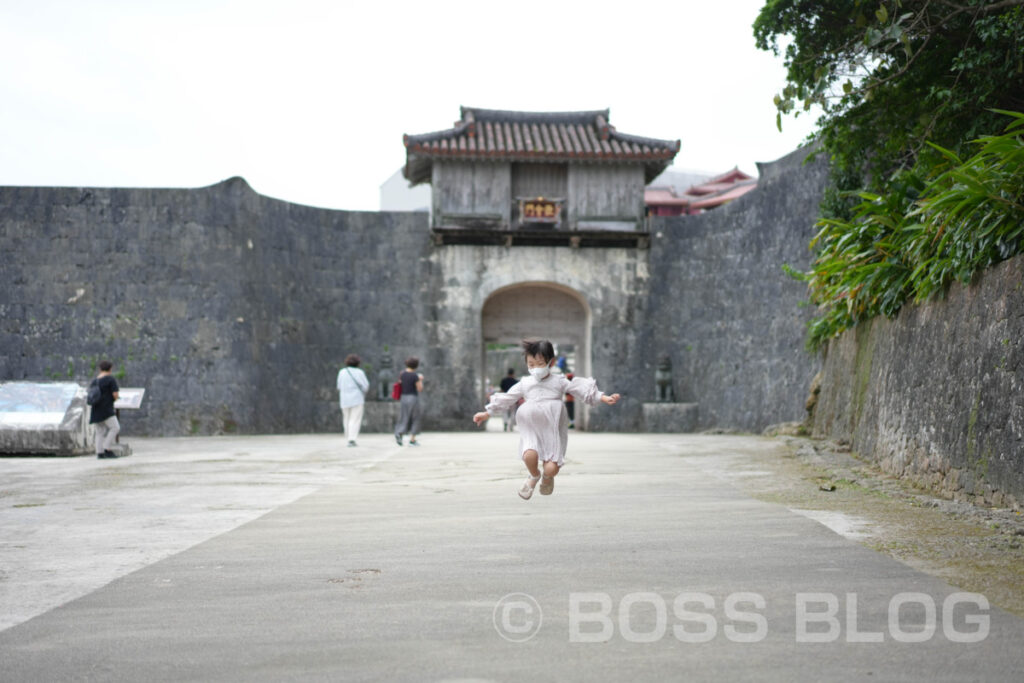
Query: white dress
{"points": [[542, 420]]}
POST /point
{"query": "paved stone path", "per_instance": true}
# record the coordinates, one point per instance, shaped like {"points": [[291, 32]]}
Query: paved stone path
{"points": [[270, 558]]}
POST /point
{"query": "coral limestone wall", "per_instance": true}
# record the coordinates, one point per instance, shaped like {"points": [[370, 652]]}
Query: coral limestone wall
{"points": [[937, 394], [234, 310]]}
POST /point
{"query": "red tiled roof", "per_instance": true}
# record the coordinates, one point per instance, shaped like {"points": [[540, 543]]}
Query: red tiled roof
{"points": [[488, 134], [720, 183], [735, 192], [664, 196], [707, 195]]}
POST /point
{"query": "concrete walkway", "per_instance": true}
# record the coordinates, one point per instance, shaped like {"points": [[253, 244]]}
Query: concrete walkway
{"points": [[271, 558]]}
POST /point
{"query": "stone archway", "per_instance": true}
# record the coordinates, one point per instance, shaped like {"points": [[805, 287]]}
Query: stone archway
{"points": [[542, 310]]}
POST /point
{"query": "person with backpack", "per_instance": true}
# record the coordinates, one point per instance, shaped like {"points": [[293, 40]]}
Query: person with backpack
{"points": [[352, 386], [102, 393]]}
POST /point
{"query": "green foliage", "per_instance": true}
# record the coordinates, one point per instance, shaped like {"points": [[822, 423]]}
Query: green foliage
{"points": [[888, 76], [905, 88], [912, 242]]}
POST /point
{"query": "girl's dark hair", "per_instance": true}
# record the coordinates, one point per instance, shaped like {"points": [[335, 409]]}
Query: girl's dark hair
{"points": [[412, 362], [539, 347], [352, 360]]}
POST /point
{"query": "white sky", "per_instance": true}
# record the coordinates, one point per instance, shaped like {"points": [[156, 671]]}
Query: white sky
{"points": [[308, 99]]}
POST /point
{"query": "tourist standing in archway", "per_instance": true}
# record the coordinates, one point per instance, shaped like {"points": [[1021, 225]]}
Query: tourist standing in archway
{"points": [[509, 416], [570, 405], [410, 408]]}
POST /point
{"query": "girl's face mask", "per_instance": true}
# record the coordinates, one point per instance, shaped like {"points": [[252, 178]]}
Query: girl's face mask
{"points": [[540, 373]]}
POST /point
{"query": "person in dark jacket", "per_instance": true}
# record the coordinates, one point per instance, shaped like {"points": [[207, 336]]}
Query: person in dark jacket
{"points": [[102, 414], [509, 415]]}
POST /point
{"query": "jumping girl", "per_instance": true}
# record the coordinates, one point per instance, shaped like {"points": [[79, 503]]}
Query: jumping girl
{"points": [[542, 420]]}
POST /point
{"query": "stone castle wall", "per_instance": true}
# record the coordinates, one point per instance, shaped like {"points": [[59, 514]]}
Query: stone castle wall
{"points": [[937, 393], [235, 310], [724, 311]]}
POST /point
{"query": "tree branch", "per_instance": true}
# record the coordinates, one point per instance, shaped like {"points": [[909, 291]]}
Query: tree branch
{"points": [[983, 9]]}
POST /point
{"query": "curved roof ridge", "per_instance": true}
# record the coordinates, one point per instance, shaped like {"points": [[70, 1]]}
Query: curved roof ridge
{"points": [[585, 116], [437, 134], [640, 140]]}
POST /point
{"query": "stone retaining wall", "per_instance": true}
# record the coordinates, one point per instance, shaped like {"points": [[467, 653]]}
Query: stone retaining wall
{"points": [[937, 394]]}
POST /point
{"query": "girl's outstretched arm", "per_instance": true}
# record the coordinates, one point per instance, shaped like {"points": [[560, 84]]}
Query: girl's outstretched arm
{"points": [[610, 399], [585, 389], [499, 402]]}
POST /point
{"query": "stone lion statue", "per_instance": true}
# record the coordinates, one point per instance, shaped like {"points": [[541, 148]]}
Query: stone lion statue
{"points": [[385, 376], [663, 390]]}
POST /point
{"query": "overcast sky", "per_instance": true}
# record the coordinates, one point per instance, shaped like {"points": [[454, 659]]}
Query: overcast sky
{"points": [[308, 100]]}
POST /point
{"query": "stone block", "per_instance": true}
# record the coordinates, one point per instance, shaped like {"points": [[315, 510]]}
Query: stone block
{"points": [[123, 450], [670, 417], [44, 419], [379, 417]]}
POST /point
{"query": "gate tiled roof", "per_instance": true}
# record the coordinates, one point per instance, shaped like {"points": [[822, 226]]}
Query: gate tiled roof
{"points": [[575, 136]]}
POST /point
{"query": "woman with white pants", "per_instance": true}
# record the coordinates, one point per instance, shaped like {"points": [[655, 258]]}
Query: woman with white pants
{"points": [[352, 387]]}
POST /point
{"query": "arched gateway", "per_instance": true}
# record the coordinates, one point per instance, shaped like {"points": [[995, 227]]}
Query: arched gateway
{"points": [[538, 227], [539, 310]]}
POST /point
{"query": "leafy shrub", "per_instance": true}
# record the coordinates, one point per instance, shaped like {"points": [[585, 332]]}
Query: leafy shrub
{"points": [[913, 241]]}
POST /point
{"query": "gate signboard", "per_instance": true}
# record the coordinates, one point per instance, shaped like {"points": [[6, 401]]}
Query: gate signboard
{"points": [[540, 210]]}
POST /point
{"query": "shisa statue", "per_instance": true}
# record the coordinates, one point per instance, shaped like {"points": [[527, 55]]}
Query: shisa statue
{"points": [[385, 376], [663, 380]]}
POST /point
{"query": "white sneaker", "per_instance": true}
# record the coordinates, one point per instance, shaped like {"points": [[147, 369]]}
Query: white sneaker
{"points": [[527, 490]]}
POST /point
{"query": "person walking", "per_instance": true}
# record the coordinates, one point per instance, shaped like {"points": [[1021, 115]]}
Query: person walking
{"points": [[103, 416], [509, 414], [352, 388], [410, 409]]}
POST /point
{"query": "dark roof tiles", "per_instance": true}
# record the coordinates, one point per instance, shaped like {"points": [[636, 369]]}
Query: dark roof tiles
{"points": [[584, 136]]}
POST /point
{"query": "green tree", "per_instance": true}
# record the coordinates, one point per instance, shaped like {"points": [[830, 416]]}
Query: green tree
{"points": [[894, 75], [904, 87]]}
